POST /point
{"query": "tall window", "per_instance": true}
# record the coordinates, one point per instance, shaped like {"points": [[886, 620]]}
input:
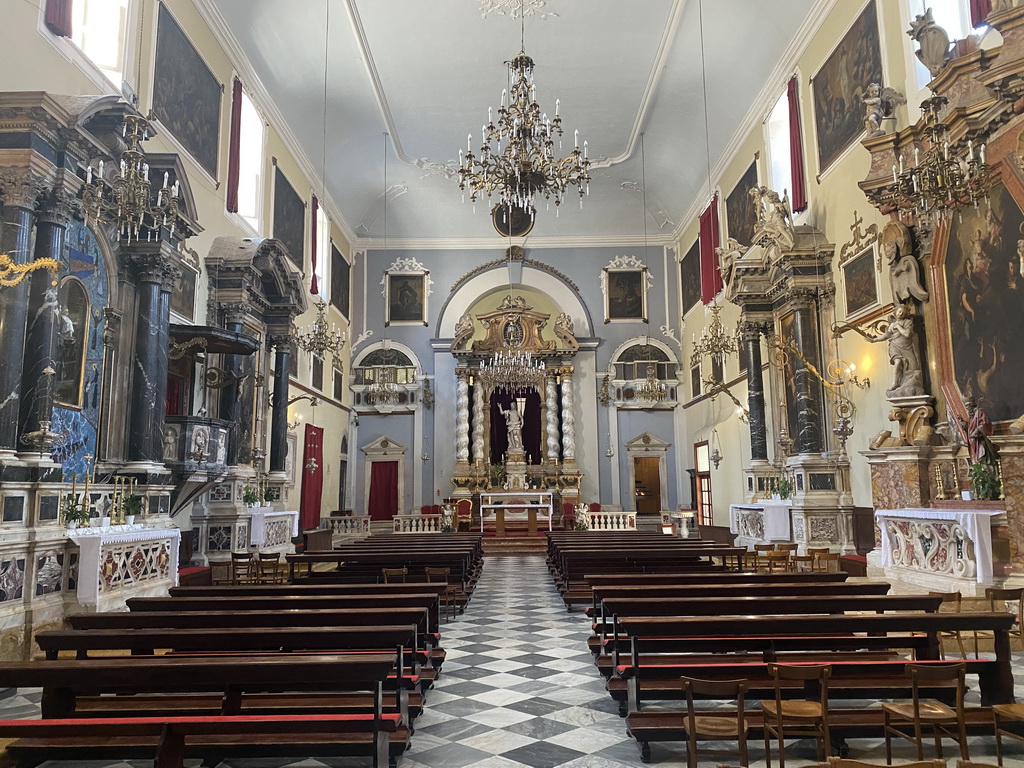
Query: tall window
{"points": [[100, 29], [702, 461], [780, 166], [250, 163]]}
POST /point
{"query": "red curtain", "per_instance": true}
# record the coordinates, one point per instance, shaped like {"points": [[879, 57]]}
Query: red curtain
{"points": [[383, 503], [234, 145], [710, 277], [980, 9], [312, 482], [175, 396], [796, 149], [313, 210], [58, 17]]}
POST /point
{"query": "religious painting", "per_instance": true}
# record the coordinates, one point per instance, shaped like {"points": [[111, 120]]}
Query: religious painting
{"points": [[183, 294], [405, 298], [695, 382], [860, 283], [840, 84], [340, 282], [290, 219], [786, 323], [186, 94], [739, 208], [985, 297], [625, 294], [689, 277], [72, 333]]}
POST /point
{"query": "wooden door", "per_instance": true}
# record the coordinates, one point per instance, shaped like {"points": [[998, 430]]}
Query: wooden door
{"points": [[647, 474]]}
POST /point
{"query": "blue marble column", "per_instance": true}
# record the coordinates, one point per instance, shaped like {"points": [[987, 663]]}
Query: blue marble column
{"points": [[808, 391], [20, 190], [154, 272], [755, 394], [43, 305], [279, 404]]}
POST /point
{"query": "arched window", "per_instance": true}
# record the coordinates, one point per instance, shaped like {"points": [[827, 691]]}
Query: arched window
{"points": [[386, 364], [72, 332], [632, 363]]}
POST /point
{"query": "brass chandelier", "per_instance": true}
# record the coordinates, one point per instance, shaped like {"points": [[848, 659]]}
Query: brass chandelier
{"points": [[319, 340], [383, 390], [944, 178], [714, 342], [521, 166], [512, 372], [652, 390], [127, 199]]}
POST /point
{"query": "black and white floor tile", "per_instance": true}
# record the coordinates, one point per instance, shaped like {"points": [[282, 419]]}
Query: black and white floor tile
{"points": [[519, 690]]}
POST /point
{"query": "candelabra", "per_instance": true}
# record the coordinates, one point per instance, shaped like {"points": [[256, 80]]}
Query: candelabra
{"points": [[383, 390], [512, 372], [319, 340], [714, 343], [652, 390], [127, 200]]}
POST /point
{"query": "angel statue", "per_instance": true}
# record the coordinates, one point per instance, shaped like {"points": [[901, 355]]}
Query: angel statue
{"points": [[879, 103]]}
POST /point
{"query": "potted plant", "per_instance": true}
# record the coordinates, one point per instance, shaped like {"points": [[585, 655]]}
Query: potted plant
{"points": [[785, 488], [73, 512], [132, 507], [497, 475], [251, 496], [269, 494], [985, 481]]}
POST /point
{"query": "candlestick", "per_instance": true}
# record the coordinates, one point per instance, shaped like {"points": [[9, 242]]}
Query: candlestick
{"points": [[956, 478], [940, 490], [999, 476]]}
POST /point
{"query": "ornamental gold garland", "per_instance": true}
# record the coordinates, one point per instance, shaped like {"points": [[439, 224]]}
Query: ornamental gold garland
{"points": [[12, 274]]}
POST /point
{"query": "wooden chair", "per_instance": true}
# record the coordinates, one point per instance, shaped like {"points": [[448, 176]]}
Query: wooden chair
{"points": [[955, 599], [791, 548], [268, 569], [715, 725], [568, 516], [451, 591], [826, 562], [845, 762], [997, 600], [815, 552], [761, 556], [242, 570], [1006, 712], [797, 718], [919, 713], [802, 563], [394, 575], [778, 562]]}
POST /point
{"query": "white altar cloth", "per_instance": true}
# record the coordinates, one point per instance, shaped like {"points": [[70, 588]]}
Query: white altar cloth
{"points": [[977, 523], [90, 542], [258, 523], [775, 514]]}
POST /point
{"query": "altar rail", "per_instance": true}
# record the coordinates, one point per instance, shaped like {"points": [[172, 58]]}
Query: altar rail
{"points": [[122, 562], [419, 523], [611, 521], [357, 526]]}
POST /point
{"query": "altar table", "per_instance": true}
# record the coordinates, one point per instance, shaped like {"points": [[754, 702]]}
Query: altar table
{"points": [[517, 503]]}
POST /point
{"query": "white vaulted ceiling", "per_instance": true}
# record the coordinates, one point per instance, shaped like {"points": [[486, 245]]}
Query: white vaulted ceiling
{"points": [[427, 70]]}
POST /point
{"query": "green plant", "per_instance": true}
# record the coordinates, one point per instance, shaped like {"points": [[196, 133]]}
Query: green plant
{"points": [[581, 524], [269, 494], [132, 504], [784, 488], [72, 510], [985, 481], [250, 495], [497, 475]]}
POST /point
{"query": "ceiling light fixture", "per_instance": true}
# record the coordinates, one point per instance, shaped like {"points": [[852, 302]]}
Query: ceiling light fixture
{"points": [[522, 165]]}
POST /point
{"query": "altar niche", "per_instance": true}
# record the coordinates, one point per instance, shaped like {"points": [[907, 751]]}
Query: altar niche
{"points": [[526, 405]]}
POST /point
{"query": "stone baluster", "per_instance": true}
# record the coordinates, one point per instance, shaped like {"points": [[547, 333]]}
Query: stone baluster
{"points": [[551, 425], [478, 422], [568, 418], [462, 417], [282, 344], [755, 393]]}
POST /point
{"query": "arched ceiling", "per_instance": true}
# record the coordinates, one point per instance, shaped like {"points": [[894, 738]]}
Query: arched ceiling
{"points": [[426, 72]]}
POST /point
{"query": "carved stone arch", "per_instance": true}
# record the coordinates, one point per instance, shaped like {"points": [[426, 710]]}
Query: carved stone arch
{"points": [[389, 344], [630, 343]]}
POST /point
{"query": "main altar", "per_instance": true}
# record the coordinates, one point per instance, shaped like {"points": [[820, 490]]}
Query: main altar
{"points": [[515, 424]]}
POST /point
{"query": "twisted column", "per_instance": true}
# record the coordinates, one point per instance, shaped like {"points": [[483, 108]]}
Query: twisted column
{"points": [[478, 422], [551, 424], [462, 417], [568, 418]]}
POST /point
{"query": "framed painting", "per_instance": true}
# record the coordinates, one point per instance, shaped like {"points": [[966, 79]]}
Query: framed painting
{"points": [[290, 219], [696, 386], [186, 94], [340, 282], [405, 299], [984, 299], [839, 86], [72, 334], [860, 283], [739, 208], [625, 294], [689, 278], [183, 293]]}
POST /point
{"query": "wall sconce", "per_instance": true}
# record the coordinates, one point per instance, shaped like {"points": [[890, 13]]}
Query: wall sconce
{"points": [[294, 422], [742, 414], [425, 454]]}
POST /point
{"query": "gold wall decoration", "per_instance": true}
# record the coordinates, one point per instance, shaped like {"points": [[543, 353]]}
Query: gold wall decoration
{"points": [[12, 274]]}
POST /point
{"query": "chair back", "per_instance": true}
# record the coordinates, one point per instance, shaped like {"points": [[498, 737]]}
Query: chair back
{"points": [[995, 595], [786, 547], [825, 560], [595, 506], [949, 598], [437, 574], [718, 689], [394, 575], [764, 547], [806, 672], [922, 674], [778, 561]]}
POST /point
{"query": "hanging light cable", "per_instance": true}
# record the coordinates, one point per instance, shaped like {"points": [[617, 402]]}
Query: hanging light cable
{"points": [[652, 390], [383, 390]]}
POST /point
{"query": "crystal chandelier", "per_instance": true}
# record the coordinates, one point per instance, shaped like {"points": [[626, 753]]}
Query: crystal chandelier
{"points": [[319, 340], [522, 165], [383, 390], [512, 372], [943, 179], [127, 199], [652, 390], [714, 342]]}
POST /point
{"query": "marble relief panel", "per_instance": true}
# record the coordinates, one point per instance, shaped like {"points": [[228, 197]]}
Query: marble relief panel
{"points": [[1013, 487]]}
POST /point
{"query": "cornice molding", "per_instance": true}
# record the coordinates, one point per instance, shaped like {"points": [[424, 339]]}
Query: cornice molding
{"points": [[490, 243]]}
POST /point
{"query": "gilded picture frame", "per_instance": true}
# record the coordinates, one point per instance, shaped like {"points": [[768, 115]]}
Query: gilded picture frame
{"points": [[861, 284], [405, 298], [625, 295]]}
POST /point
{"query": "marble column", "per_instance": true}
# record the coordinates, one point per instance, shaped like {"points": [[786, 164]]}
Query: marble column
{"points": [[551, 425], [234, 315], [43, 307], [755, 394], [279, 403], [478, 423], [568, 418], [808, 391], [462, 417], [155, 274], [20, 190]]}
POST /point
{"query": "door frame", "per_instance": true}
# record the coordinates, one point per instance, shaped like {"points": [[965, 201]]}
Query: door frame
{"points": [[384, 449], [647, 445]]}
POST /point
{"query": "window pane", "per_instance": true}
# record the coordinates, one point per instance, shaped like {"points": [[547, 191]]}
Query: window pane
{"points": [[703, 460], [250, 164], [780, 167], [99, 27]]}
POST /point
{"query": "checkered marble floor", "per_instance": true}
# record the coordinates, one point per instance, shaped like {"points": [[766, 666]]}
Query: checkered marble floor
{"points": [[519, 690]]}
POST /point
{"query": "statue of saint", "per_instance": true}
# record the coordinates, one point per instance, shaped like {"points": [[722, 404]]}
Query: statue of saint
{"points": [[978, 428], [903, 355], [904, 271], [514, 423]]}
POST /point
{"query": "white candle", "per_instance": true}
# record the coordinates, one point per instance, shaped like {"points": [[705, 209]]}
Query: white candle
{"points": [[469, 142], [489, 118], [917, 156], [584, 156], [88, 175], [101, 170], [895, 179], [165, 178], [901, 163], [982, 154], [576, 138], [557, 102]]}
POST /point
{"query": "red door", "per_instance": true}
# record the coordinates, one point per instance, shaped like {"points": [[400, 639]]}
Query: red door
{"points": [[383, 502], [312, 471]]}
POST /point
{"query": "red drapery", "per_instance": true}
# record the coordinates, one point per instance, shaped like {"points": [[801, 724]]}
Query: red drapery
{"points": [[58, 17], [313, 211], [175, 395], [710, 277], [980, 9], [234, 145], [312, 482], [383, 503], [531, 426], [796, 149]]}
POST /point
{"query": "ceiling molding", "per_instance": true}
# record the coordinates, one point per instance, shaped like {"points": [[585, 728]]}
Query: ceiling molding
{"points": [[491, 243], [776, 82], [261, 97]]}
